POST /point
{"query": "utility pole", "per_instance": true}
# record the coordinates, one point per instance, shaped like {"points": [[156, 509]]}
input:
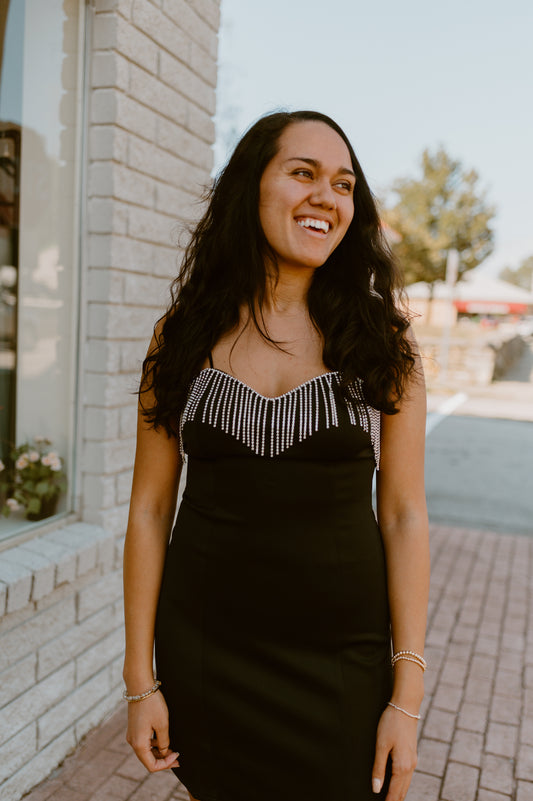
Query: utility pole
{"points": [[452, 270]]}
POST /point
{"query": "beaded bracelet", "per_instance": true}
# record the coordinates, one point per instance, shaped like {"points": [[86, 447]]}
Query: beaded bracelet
{"points": [[131, 699], [409, 656], [405, 712]]}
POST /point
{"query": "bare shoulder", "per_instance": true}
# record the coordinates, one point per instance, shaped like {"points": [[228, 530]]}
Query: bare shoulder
{"points": [[413, 399], [415, 384]]}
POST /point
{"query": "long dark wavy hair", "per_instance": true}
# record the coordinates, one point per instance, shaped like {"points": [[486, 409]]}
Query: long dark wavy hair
{"points": [[352, 298]]}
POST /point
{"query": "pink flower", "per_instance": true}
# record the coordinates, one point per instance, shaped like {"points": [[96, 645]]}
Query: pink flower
{"points": [[22, 462], [33, 456], [13, 504], [52, 461]]}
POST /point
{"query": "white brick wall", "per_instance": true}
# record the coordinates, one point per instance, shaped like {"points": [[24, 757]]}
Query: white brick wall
{"points": [[152, 96]]}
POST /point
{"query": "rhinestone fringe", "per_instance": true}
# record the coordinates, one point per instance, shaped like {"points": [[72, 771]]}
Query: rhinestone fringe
{"points": [[366, 416], [268, 426]]}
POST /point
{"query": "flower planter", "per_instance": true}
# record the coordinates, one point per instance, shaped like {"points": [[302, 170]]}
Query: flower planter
{"points": [[48, 508], [33, 480]]}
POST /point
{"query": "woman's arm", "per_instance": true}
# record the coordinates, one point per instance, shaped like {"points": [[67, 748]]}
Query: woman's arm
{"points": [[152, 508], [402, 517]]}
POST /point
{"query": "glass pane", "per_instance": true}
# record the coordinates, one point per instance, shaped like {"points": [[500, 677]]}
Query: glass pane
{"points": [[9, 221], [38, 254], [12, 32]]}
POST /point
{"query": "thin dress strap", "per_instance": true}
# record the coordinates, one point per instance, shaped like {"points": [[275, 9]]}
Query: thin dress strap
{"points": [[210, 357]]}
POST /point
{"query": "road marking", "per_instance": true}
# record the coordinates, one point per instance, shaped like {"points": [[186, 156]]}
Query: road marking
{"points": [[445, 409]]}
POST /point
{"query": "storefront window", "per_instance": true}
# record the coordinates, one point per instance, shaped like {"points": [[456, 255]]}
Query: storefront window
{"points": [[39, 166]]}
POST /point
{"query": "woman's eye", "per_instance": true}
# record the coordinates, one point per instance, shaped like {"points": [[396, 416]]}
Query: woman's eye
{"points": [[304, 172], [345, 185]]}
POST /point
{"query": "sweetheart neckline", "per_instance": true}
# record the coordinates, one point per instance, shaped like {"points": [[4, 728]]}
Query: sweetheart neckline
{"points": [[270, 397]]}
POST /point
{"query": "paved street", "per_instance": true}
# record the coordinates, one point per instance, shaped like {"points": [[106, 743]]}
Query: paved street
{"points": [[476, 735], [479, 465], [479, 473]]}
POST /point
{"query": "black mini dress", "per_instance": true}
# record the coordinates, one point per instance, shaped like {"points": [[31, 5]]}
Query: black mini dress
{"points": [[272, 629]]}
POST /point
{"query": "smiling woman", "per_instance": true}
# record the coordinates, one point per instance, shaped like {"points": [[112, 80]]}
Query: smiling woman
{"points": [[284, 374], [306, 204]]}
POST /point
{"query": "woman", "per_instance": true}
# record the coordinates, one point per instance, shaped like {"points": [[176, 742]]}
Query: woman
{"points": [[286, 374]]}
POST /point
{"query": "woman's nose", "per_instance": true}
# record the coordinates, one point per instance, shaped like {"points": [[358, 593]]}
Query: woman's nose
{"points": [[323, 195]]}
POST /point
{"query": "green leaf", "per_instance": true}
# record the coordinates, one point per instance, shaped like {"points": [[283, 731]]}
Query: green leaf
{"points": [[34, 505]]}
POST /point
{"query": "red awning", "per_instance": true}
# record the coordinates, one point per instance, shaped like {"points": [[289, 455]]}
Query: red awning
{"points": [[489, 307]]}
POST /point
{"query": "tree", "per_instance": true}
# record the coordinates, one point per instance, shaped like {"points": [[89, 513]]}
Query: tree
{"points": [[520, 276], [443, 209]]}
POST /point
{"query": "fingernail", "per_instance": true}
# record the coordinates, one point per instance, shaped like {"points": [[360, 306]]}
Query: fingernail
{"points": [[376, 785]]}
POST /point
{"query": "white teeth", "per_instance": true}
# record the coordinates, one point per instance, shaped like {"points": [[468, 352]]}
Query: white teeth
{"points": [[309, 222]]}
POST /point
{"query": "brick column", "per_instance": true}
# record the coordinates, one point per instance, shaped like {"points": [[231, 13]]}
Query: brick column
{"points": [[153, 96]]}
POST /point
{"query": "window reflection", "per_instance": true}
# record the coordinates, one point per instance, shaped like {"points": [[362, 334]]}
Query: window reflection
{"points": [[9, 227], [39, 85]]}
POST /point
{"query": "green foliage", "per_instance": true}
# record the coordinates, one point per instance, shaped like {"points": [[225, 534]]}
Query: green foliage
{"points": [[443, 209], [33, 476], [521, 276], [33, 506]]}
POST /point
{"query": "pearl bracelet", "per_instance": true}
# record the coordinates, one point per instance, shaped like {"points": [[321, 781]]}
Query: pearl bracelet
{"points": [[131, 699], [409, 656], [405, 712]]}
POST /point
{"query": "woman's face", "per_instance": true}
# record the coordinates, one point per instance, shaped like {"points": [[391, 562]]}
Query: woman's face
{"points": [[306, 195]]}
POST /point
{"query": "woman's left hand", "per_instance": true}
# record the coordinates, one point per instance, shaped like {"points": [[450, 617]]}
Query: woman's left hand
{"points": [[396, 737]]}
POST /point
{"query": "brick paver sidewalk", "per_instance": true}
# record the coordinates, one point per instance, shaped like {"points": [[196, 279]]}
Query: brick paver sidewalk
{"points": [[476, 736]]}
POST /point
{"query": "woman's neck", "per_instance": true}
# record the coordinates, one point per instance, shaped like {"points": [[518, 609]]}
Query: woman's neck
{"points": [[286, 292]]}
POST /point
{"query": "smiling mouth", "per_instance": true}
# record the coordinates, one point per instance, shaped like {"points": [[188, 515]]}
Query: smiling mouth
{"points": [[315, 225]]}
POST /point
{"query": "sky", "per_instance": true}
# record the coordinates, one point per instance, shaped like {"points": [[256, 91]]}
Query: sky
{"points": [[399, 77]]}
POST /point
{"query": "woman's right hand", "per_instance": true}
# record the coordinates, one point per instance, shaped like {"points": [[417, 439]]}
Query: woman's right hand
{"points": [[148, 733]]}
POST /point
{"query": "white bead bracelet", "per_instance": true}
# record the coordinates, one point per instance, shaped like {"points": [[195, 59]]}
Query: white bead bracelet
{"points": [[405, 712], [131, 699], [410, 656]]}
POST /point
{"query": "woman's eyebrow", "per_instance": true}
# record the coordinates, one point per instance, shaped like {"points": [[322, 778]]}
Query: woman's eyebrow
{"points": [[315, 163]]}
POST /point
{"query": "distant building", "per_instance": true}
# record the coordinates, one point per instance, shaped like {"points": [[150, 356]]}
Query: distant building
{"points": [[476, 295]]}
